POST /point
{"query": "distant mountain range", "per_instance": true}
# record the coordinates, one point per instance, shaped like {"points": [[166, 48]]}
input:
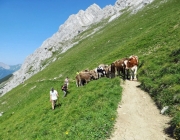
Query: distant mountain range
{"points": [[8, 69]]}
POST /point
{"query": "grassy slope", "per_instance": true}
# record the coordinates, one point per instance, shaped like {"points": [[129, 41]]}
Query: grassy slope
{"points": [[88, 112]]}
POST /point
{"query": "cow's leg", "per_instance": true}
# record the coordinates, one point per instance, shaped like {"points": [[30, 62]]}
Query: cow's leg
{"points": [[115, 71], [108, 74], [113, 74], [112, 70], [77, 83], [131, 74], [125, 74], [103, 73], [80, 83], [135, 72], [86, 81], [96, 76], [118, 71]]}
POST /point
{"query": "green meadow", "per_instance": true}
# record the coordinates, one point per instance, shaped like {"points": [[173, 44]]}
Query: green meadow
{"points": [[89, 112]]}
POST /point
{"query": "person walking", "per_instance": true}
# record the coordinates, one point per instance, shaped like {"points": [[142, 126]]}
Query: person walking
{"points": [[66, 81], [64, 89], [53, 97]]}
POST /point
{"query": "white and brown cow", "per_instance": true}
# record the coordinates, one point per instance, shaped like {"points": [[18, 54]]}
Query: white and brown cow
{"points": [[132, 64], [101, 70]]}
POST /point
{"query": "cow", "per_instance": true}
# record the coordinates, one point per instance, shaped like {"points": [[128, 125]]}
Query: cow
{"points": [[120, 67], [131, 64], [92, 72], [84, 77], [107, 70], [100, 70]]}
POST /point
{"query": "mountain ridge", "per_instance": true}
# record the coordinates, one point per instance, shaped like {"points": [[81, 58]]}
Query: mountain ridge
{"points": [[8, 69], [4, 66]]}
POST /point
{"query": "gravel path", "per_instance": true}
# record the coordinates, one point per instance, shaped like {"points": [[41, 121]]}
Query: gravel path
{"points": [[138, 116]]}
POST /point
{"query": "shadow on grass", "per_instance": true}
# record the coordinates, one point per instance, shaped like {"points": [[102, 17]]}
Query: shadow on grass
{"points": [[169, 130]]}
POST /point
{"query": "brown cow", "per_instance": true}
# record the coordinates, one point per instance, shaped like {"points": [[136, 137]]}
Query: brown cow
{"points": [[84, 77], [92, 72], [120, 66], [132, 64]]}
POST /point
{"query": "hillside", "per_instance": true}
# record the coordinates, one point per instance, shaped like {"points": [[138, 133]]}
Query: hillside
{"points": [[89, 112]]}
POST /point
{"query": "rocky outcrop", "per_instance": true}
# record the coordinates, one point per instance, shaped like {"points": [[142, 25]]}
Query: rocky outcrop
{"points": [[61, 40]]}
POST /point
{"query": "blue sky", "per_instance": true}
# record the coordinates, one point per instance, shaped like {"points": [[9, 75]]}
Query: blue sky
{"points": [[25, 24]]}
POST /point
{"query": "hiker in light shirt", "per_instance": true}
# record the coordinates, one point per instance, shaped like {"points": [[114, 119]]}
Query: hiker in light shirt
{"points": [[53, 97]]}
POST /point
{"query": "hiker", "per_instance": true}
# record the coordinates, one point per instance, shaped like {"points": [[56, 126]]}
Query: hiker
{"points": [[53, 97], [66, 81], [64, 89]]}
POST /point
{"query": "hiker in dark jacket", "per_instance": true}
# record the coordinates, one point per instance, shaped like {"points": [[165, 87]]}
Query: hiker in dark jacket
{"points": [[64, 89]]}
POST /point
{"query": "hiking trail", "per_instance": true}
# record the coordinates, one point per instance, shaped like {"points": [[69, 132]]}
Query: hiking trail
{"points": [[138, 117]]}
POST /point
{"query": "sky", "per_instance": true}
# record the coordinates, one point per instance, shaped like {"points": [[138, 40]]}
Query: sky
{"points": [[25, 24]]}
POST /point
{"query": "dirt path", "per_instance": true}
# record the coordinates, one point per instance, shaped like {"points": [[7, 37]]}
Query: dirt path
{"points": [[138, 117]]}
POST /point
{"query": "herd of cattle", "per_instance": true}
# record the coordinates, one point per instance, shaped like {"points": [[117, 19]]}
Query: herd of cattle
{"points": [[126, 67]]}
